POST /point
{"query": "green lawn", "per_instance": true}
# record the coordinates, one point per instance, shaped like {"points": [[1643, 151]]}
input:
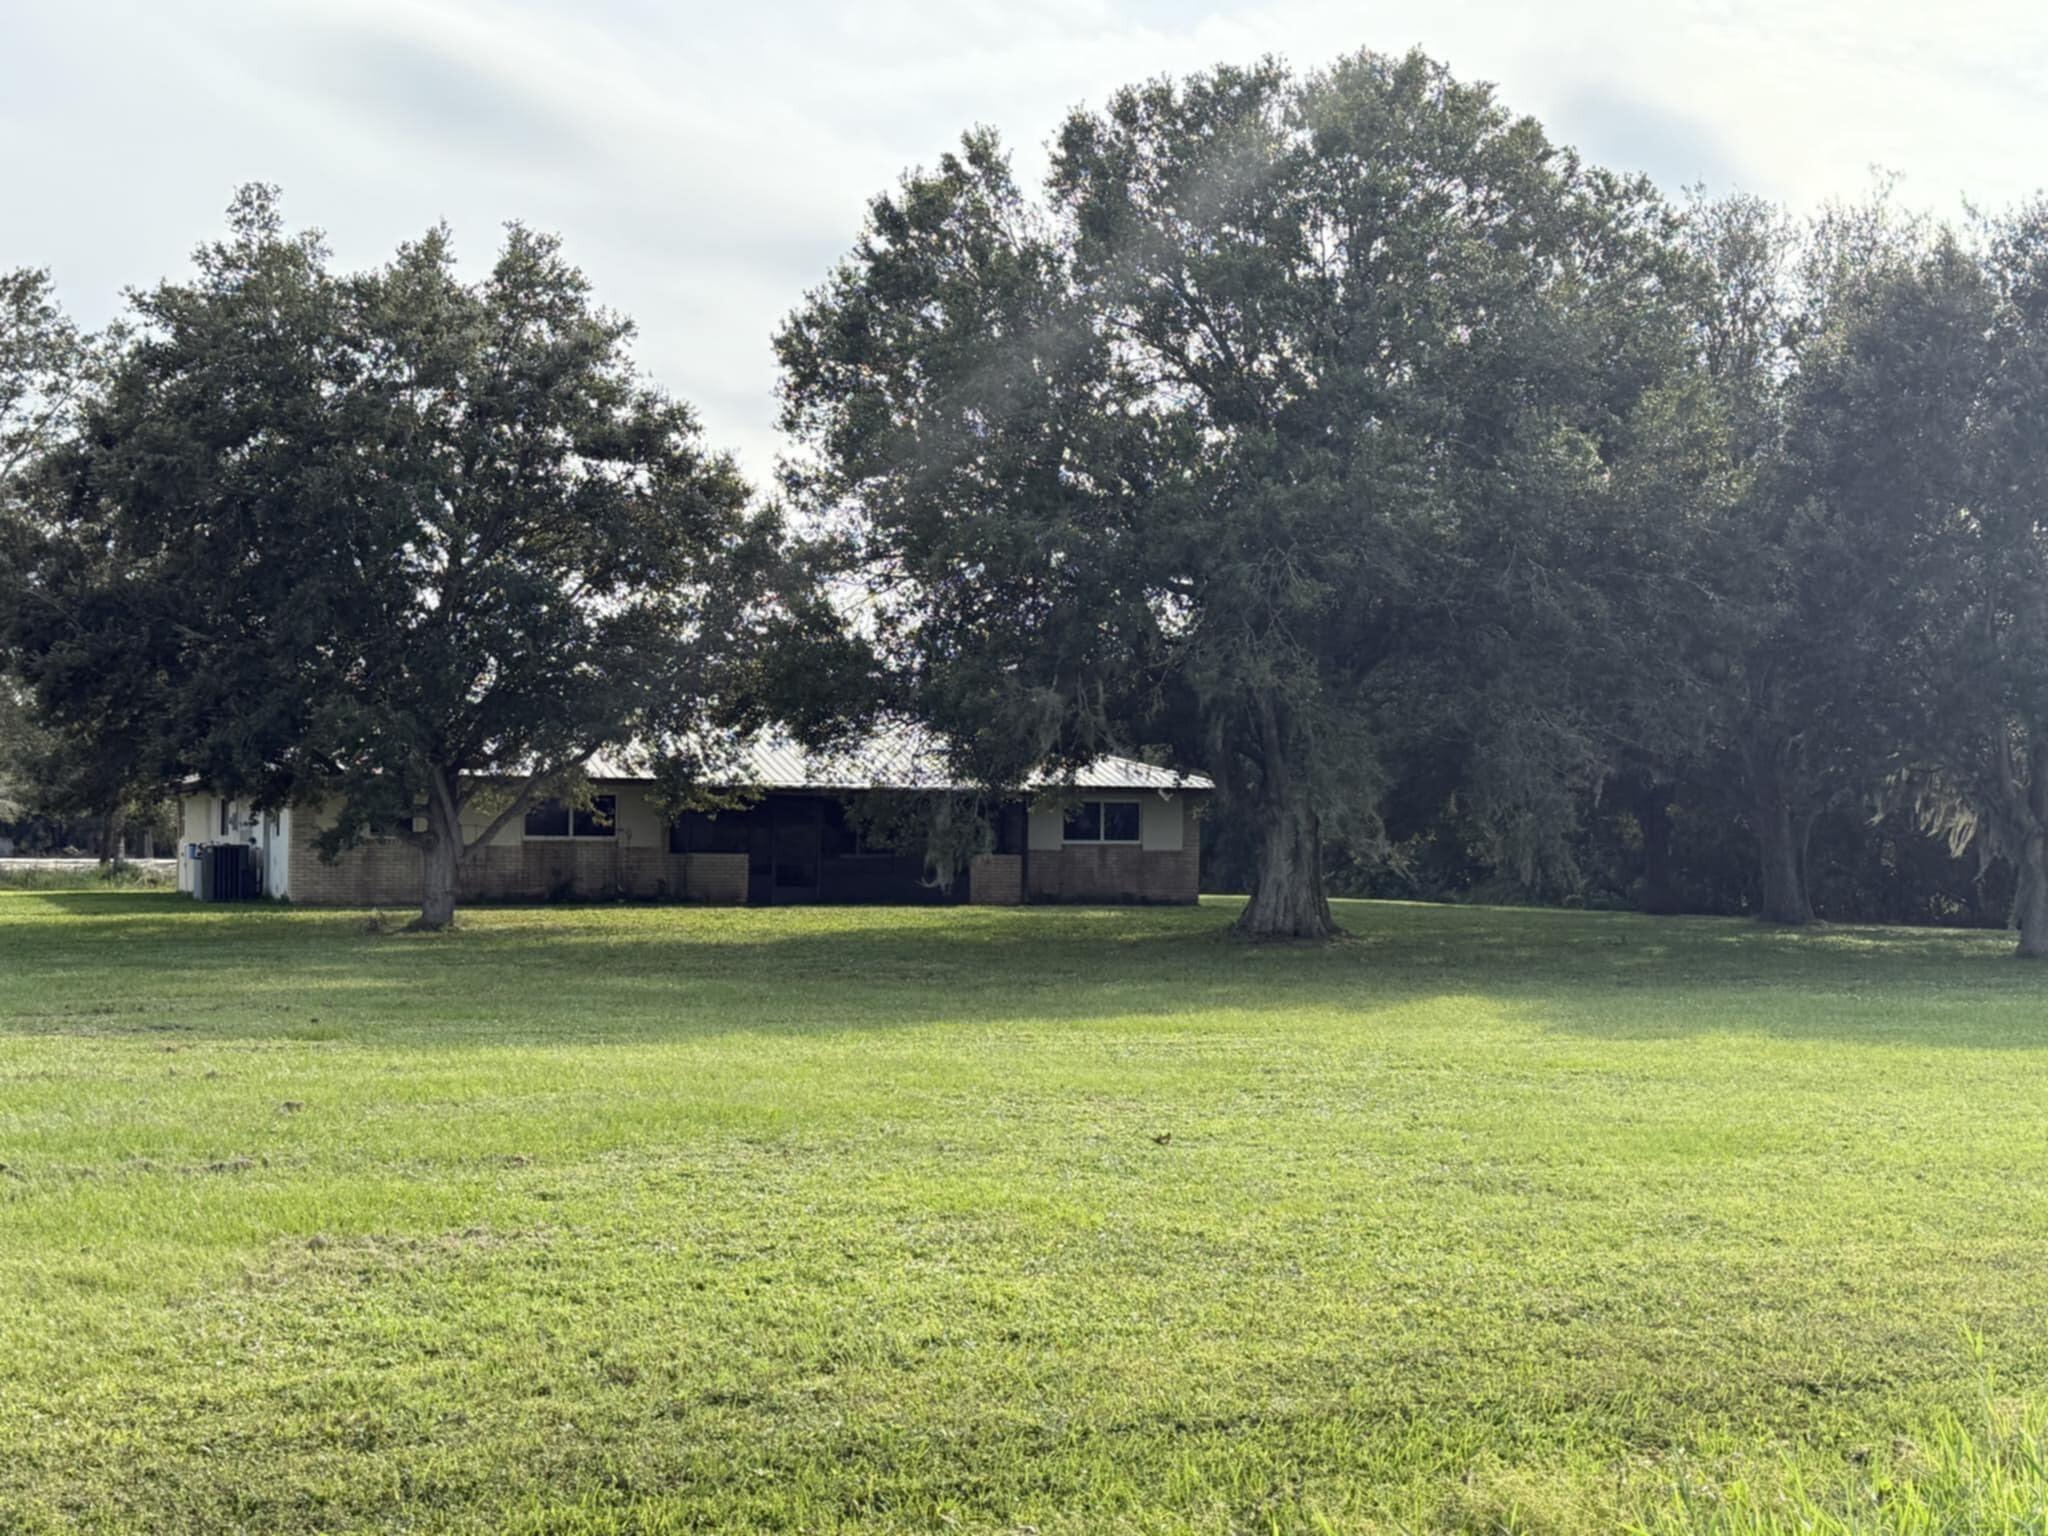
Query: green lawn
{"points": [[653, 1219]]}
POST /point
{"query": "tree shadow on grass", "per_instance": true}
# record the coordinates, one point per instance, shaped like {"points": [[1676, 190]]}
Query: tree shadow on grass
{"points": [[117, 962]]}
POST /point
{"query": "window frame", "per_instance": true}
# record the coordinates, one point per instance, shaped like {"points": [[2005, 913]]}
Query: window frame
{"points": [[1100, 808], [571, 813], [603, 808]]}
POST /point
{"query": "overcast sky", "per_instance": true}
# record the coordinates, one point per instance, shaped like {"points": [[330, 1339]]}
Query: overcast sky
{"points": [[706, 163]]}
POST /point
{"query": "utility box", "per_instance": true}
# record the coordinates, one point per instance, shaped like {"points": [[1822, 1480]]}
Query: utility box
{"points": [[229, 872], [241, 881]]}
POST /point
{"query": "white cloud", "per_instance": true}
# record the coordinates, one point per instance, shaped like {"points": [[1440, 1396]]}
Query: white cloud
{"points": [[706, 163]]}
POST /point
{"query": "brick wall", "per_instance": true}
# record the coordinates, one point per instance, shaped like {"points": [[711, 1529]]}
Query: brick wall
{"points": [[717, 878], [995, 880], [388, 873], [1115, 872], [375, 874], [1118, 872], [593, 867]]}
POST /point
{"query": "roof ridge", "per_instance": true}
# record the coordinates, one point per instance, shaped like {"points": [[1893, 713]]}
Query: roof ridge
{"points": [[903, 757]]}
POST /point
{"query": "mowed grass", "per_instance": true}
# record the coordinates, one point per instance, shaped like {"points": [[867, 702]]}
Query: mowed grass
{"points": [[1054, 1220]]}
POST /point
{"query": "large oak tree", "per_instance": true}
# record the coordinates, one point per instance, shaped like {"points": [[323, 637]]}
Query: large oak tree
{"points": [[1283, 431], [407, 544]]}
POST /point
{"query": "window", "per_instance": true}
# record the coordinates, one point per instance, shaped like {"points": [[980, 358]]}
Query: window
{"points": [[223, 815], [1102, 821], [711, 831], [1120, 819], [547, 818], [552, 818]]}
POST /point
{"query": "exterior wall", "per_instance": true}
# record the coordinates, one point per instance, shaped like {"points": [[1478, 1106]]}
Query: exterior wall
{"points": [[1042, 834], [565, 868], [1163, 823], [1164, 865], [277, 848], [511, 867], [375, 874], [641, 828], [995, 880], [195, 825], [199, 823], [719, 879]]}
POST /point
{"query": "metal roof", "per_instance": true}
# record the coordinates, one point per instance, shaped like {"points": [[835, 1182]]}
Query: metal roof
{"points": [[896, 757]]}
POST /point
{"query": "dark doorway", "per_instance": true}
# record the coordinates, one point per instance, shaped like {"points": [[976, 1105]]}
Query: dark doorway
{"points": [[795, 847]]}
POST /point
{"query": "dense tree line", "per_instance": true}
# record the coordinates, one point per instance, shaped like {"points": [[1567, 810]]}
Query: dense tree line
{"points": [[1485, 522]]}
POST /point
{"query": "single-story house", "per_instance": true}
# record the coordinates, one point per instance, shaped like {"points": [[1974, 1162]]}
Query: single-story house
{"points": [[1116, 831]]}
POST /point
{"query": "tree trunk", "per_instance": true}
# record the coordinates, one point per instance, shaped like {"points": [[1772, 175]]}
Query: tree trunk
{"points": [[440, 859], [110, 837], [1805, 836], [1287, 900], [2030, 899], [2027, 805], [1653, 816], [1784, 884]]}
